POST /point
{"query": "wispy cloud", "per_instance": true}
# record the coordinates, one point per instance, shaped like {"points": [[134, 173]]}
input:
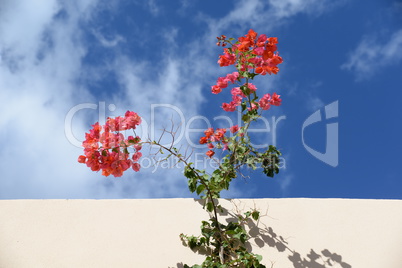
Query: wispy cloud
{"points": [[153, 7], [268, 15], [373, 54], [41, 58], [41, 68], [108, 42], [288, 8]]}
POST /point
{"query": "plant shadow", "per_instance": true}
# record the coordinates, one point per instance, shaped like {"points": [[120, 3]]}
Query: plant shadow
{"points": [[266, 236]]}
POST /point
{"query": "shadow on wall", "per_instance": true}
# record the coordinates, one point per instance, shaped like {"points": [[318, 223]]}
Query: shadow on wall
{"points": [[266, 236], [325, 259]]}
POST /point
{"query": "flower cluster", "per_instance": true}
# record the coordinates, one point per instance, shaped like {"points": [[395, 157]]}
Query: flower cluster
{"points": [[252, 53], [106, 149], [253, 56], [217, 136], [223, 82]]}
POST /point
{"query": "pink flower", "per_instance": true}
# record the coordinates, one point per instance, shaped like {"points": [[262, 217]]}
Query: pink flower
{"points": [[264, 102], [136, 167], [261, 40], [259, 51], [216, 89], [275, 100], [131, 120], [229, 107], [237, 91], [125, 164], [232, 77], [227, 58], [136, 156], [252, 87], [222, 82], [220, 132], [236, 100], [234, 128], [113, 123], [137, 147], [253, 107], [256, 61]]}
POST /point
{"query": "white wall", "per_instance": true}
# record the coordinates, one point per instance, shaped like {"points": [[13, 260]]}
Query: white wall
{"points": [[145, 233]]}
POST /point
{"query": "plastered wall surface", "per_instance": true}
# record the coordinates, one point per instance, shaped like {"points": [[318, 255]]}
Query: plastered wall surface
{"points": [[313, 233]]}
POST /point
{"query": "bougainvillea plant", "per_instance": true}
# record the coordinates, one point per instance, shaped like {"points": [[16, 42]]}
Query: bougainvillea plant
{"points": [[108, 150]]}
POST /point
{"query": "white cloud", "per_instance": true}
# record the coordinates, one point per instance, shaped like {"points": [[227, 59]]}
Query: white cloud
{"points": [[373, 54], [40, 68], [267, 15], [283, 9], [19, 35], [41, 64], [285, 182], [314, 103], [108, 42], [153, 7], [185, 4], [41, 57]]}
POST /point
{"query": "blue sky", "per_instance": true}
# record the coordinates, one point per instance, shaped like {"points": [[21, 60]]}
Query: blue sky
{"points": [[66, 64]]}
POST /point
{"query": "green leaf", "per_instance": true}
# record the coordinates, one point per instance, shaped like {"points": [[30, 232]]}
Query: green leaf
{"points": [[243, 106], [192, 242], [245, 118], [245, 90], [259, 257], [255, 215], [192, 185], [252, 75], [200, 188], [210, 206], [189, 172]]}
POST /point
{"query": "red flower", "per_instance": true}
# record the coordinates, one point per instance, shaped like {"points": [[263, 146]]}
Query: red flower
{"points": [[107, 150], [81, 159], [216, 89], [234, 129], [275, 99], [210, 153], [203, 140], [209, 132], [136, 167], [229, 107], [227, 58]]}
